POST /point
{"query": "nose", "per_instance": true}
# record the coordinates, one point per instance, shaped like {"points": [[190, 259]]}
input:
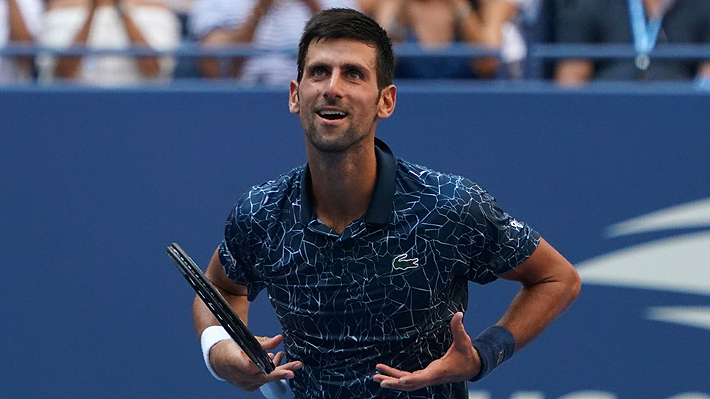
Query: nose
{"points": [[334, 88]]}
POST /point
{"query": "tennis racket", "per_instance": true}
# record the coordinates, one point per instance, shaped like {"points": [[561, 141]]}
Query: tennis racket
{"points": [[221, 309]]}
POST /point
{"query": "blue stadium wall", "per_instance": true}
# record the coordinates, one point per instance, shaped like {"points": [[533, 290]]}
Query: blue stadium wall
{"points": [[94, 184]]}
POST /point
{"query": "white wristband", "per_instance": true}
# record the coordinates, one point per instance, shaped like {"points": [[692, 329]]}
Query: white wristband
{"points": [[213, 334], [210, 336]]}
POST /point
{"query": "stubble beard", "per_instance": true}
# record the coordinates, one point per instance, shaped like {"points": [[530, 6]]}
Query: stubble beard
{"points": [[337, 144], [341, 141]]}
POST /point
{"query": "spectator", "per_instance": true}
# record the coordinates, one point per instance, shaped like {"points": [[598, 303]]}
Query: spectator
{"points": [[611, 21], [502, 28], [181, 9], [185, 67], [438, 23], [266, 24], [108, 24], [434, 24], [20, 22]]}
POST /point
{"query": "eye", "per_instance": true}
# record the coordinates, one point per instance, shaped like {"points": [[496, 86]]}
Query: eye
{"points": [[319, 72], [354, 75]]}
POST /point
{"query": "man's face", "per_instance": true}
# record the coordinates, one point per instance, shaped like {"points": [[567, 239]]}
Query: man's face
{"points": [[338, 99]]}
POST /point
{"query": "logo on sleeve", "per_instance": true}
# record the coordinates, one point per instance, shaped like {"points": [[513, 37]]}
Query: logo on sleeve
{"points": [[517, 225], [401, 263]]}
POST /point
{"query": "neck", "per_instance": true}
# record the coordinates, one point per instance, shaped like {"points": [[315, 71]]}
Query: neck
{"points": [[342, 184]]}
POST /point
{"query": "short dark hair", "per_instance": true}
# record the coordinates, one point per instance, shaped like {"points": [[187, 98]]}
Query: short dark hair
{"points": [[344, 23]]}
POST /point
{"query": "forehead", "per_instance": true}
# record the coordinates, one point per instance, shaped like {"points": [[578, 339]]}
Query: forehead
{"points": [[341, 52]]}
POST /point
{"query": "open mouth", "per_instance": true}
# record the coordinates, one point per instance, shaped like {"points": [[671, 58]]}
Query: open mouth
{"points": [[332, 115]]}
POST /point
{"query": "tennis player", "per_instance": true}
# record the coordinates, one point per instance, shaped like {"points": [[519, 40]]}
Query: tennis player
{"points": [[365, 257]]}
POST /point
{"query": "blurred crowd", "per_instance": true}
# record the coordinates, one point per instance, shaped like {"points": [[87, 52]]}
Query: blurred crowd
{"points": [[506, 27]]}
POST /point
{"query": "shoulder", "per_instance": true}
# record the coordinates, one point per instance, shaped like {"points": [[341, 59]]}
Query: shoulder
{"points": [[263, 200], [446, 188]]}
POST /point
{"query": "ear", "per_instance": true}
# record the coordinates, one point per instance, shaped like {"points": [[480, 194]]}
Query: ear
{"points": [[388, 99], [293, 104]]}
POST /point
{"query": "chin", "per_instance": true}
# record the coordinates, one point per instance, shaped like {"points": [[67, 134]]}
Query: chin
{"points": [[333, 145], [330, 146]]}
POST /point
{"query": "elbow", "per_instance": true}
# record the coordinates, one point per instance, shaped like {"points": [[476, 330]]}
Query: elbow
{"points": [[573, 283]]}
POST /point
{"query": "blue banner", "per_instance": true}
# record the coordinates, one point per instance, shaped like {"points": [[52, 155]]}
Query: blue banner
{"points": [[94, 184]]}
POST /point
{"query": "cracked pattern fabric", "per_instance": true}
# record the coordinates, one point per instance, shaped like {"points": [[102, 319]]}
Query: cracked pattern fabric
{"points": [[378, 292]]}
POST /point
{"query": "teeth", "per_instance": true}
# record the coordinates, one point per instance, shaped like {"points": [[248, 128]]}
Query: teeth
{"points": [[332, 113]]}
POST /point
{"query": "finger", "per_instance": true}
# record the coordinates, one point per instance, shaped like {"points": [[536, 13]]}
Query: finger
{"points": [[390, 371], [393, 378], [386, 381], [294, 365], [277, 358], [270, 343], [458, 331], [421, 378], [284, 371], [380, 377], [398, 384]]}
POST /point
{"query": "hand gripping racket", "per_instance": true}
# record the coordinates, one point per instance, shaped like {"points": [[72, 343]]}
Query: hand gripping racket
{"points": [[221, 309]]}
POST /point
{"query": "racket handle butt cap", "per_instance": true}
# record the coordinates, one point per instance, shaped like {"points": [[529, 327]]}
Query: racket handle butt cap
{"points": [[276, 390]]}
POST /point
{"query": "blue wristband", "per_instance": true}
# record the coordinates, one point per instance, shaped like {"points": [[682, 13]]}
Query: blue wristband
{"points": [[495, 345]]}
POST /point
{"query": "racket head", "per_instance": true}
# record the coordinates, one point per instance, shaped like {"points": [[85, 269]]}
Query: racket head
{"points": [[221, 309]]}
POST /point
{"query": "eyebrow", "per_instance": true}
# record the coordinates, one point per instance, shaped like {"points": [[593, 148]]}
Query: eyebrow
{"points": [[317, 65], [354, 67], [349, 66]]}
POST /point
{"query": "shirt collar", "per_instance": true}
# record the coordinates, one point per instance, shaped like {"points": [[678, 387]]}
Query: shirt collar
{"points": [[382, 200]]}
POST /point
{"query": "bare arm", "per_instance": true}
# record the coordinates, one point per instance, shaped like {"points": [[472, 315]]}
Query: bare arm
{"points": [[18, 28], [148, 64], [705, 70], [550, 284], [19, 32], [210, 66], [235, 295], [226, 359], [369, 7], [573, 73], [387, 12], [67, 67], [494, 13], [470, 24]]}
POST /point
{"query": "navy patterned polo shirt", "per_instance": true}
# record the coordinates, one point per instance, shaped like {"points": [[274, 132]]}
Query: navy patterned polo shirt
{"points": [[384, 290]]}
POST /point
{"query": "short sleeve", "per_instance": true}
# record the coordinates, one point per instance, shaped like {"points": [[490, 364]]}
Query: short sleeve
{"points": [[161, 30], [236, 250], [505, 242]]}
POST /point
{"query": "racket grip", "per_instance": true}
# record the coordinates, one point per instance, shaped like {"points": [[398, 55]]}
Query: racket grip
{"points": [[276, 390]]}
